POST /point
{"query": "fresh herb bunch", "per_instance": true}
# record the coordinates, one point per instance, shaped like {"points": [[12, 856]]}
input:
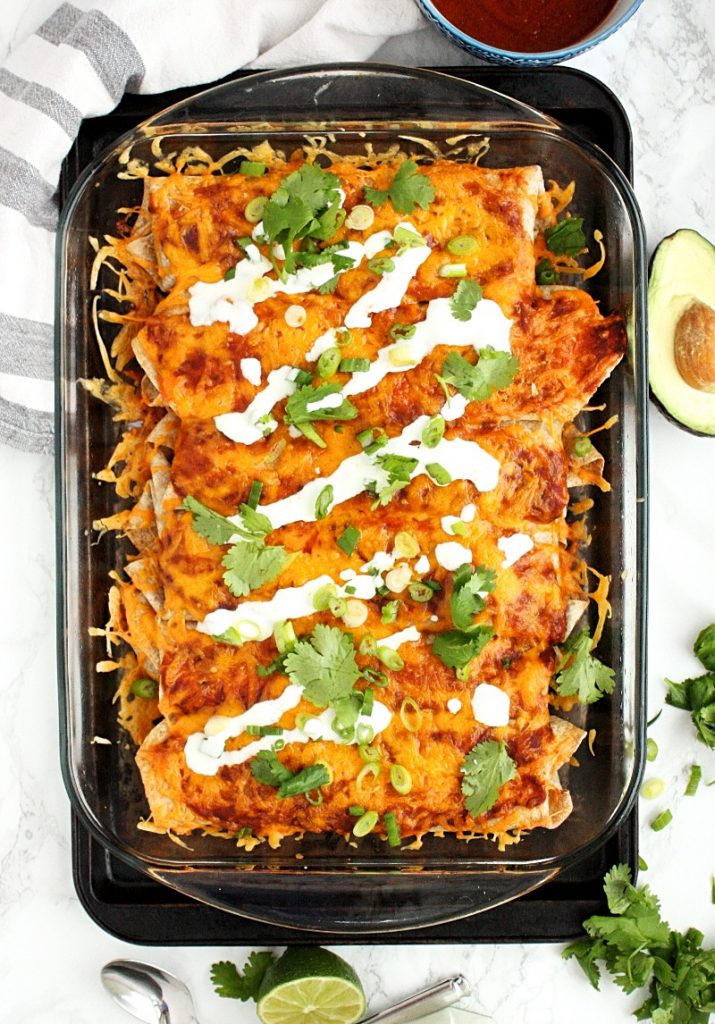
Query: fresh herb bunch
{"points": [[638, 948], [698, 695]]}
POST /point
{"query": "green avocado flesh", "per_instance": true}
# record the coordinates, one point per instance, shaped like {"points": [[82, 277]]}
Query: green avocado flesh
{"points": [[683, 272]]}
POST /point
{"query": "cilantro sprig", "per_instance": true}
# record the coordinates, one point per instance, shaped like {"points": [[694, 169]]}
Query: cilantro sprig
{"points": [[638, 948], [468, 588], [299, 413], [324, 665], [305, 205], [408, 189], [581, 674], [465, 299], [486, 768], [267, 767], [566, 238], [230, 983], [493, 371], [399, 470]]}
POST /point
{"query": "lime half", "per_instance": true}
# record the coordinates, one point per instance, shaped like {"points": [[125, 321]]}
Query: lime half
{"points": [[310, 986]]}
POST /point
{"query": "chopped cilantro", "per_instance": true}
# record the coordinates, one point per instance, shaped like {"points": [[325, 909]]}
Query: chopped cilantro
{"points": [[486, 768], [493, 371], [230, 983], [638, 948], [305, 205], [455, 648], [250, 564], [298, 413], [580, 674], [324, 664], [566, 238], [467, 589], [216, 529], [267, 767], [465, 299], [399, 470], [409, 188]]}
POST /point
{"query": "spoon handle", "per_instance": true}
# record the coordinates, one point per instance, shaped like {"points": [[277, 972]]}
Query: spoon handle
{"points": [[428, 1000]]}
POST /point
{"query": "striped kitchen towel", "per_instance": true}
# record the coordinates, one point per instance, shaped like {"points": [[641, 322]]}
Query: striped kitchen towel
{"points": [[78, 64]]}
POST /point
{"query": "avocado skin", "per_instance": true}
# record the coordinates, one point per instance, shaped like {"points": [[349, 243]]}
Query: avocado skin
{"points": [[701, 248]]}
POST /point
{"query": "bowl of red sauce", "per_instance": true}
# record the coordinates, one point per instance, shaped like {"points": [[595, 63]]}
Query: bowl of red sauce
{"points": [[529, 33]]}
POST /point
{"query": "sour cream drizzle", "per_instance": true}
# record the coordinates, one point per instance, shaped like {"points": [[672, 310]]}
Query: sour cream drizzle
{"points": [[463, 460]]}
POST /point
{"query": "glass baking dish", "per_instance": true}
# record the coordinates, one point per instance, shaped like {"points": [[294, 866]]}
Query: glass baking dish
{"points": [[322, 882]]}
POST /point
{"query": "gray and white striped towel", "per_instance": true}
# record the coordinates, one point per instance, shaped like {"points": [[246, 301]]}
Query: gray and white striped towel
{"points": [[78, 64]]}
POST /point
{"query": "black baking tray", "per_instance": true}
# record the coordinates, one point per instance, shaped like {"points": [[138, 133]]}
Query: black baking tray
{"points": [[135, 908]]}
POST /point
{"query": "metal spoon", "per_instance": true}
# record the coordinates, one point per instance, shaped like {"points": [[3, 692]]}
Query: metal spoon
{"points": [[148, 993]]}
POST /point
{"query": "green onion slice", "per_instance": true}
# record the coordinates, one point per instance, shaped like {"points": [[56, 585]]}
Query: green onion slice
{"points": [[696, 774], [371, 768], [651, 749], [324, 501], [254, 494], [349, 539], [392, 829], [389, 658], [358, 365], [410, 714], [328, 363], [652, 788], [264, 730], [365, 824], [420, 592], [400, 779], [253, 168], [368, 700], [381, 265], [662, 821], [389, 611], [438, 473], [356, 811], [364, 733], [402, 332], [462, 245], [370, 755], [146, 688], [254, 209], [433, 432]]}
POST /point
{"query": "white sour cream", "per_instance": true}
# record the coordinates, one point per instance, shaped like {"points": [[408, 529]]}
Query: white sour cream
{"points": [[514, 547], [454, 705], [244, 427], [451, 555], [251, 370], [490, 705]]}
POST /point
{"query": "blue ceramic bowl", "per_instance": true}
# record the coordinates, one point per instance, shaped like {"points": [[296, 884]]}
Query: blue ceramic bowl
{"points": [[620, 14]]}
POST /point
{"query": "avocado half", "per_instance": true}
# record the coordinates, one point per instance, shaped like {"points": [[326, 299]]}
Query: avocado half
{"points": [[681, 330]]}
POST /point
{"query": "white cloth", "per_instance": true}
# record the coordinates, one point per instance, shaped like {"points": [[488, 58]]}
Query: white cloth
{"points": [[78, 64]]}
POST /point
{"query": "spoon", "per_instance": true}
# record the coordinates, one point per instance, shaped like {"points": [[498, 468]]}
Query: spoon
{"points": [[148, 993]]}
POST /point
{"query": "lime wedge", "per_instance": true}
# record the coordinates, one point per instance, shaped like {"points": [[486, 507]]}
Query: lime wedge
{"points": [[310, 986]]}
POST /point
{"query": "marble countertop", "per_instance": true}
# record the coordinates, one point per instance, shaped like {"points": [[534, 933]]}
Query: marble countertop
{"points": [[662, 66]]}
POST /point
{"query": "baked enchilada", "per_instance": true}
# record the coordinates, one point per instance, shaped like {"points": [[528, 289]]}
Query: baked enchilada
{"points": [[350, 394]]}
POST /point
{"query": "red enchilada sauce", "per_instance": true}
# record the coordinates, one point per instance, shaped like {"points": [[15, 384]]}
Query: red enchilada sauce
{"points": [[527, 26]]}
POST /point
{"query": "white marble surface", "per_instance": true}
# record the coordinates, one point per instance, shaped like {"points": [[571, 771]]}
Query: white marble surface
{"points": [[662, 67]]}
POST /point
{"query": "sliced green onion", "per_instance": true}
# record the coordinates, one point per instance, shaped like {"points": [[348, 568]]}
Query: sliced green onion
{"points": [[359, 365], [582, 446], [367, 645], [404, 236], [146, 688], [651, 749], [345, 732], [365, 824], [349, 539], [365, 437], [438, 473], [406, 544], [338, 606], [350, 590], [453, 270], [382, 590], [284, 636], [389, 612], [356, 811], [463, 673], [433, 432], [696, 774], [314, 801], [254, 494], [546, 272], [244, 833], [243, 242], [377, 444], [389, 658], [343, 336], [230, 274], [375, 677], [264, 730], [459, 529], [322, 597], [360, 218], [652, 788], [364, 733], [324, 501], [303, 377], [400, 779], [328, 363], [642, 866], [381, 265], [368, 700], [279, 744], [410, 714], [462, 245], [254, 209], [392, 829], [420, 592], [659, 823], [402, 332], [371, 755], [253, 168], [302, 719], [372, 768]]}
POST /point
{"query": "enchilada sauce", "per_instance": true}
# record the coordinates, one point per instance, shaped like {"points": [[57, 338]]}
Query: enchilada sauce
{"points": [[527, 26]]}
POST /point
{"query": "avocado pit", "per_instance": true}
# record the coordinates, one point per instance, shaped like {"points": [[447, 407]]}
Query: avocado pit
{"points": [[694, 346]]}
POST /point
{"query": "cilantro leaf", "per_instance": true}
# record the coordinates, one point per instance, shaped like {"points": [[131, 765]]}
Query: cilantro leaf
{"points": [[486, 768], [637, 947], [704, 647], [409, 188], [456, 648], [581, 674], [566, 238], [467, 589], [465, 299], [301, 409], [697, 696], [250, 564], [215, 528], [493, 371], [305, 205], [324, 664], [267, 767], [230, 983], [399, 470]]}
